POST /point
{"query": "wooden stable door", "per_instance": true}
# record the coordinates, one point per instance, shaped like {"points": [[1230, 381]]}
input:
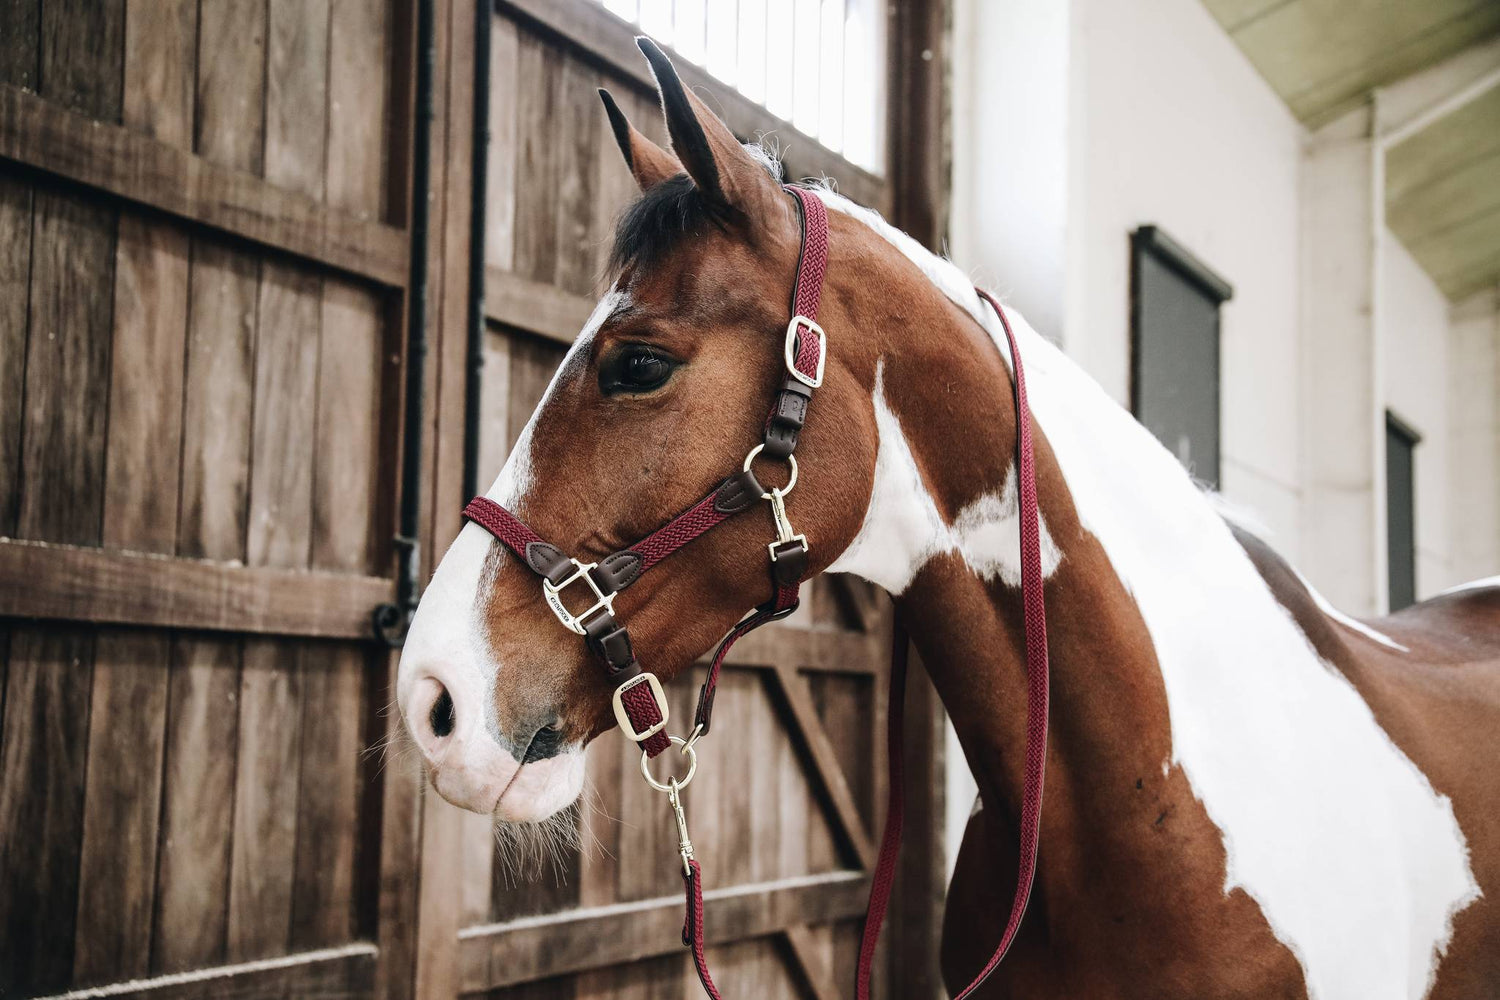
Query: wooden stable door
{"points": [[199, 277]]}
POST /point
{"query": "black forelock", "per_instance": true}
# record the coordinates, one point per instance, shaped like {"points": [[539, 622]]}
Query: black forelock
{"points": [[672, 210], [660, 219]]}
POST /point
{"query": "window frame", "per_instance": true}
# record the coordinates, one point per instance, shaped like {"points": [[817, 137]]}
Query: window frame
{"points": [[1153, 241], [1410, 437]]}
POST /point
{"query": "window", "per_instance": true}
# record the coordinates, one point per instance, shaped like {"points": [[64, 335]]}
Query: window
{"points": [[827, 78], [1174, 378], [1400, 511]]}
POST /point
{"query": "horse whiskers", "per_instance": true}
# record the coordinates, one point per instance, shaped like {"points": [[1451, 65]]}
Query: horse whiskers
{"points": [[396, 748], [524, 851]]}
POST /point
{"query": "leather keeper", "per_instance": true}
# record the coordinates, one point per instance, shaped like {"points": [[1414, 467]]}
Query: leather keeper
{"points": [[548, 561], [780, 441], [739, 492], [615, 573], [790, 562]]}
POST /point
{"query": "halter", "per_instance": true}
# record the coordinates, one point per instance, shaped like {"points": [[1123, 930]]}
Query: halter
{"points": [[640, 703]]}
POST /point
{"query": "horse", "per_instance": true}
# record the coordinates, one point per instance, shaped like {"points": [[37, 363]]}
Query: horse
{"points": [[1248, 793]]}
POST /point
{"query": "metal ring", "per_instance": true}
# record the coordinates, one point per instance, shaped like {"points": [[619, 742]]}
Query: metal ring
{"points": [[692, 756], [791, 460]]}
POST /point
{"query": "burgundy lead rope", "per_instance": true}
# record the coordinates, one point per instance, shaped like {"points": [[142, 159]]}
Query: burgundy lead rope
{"points": [[640, 704], [1035, 618]]}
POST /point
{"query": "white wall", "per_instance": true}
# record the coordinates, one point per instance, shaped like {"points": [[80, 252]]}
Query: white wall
{"points": [[1415, 341], [1010, 157], [1474, 438], [1182, 132]]}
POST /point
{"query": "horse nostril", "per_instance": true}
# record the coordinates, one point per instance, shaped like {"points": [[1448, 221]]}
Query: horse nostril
{"points": [[545, 742], [441, 717]]}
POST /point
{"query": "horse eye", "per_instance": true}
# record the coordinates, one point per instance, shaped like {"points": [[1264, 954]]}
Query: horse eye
{"points": [[635, 369]]}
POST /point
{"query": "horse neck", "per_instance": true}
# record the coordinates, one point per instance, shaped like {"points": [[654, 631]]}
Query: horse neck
{"points": [[1192, 718], [956, 576], [1121, 522]]}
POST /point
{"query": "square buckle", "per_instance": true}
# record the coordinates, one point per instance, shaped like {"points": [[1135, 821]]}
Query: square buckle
{"points": [[553, 594], [623, 717], [780, 546], [789, 350]]}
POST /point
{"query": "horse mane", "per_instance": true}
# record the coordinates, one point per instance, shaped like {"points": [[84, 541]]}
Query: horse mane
{"points": [[673, 210]]}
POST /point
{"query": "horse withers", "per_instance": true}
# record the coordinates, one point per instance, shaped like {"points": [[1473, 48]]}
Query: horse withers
{"points": [[1248, 794]]}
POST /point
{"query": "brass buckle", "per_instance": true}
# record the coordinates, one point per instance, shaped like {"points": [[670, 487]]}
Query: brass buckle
{"points": [[623, 717], [788, 351], [553, 594]]}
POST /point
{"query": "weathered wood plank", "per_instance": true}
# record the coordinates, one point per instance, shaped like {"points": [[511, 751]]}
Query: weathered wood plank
{"points": [[43, 760], [72, 583], [15, 294], [18, 66], [262, 859], [828, 775], [540, 66], [121, 804], [812, 648], [285, 411], [161, 66], [357, 111], [577, 132], [589, 27], [537, 947], [67, 371], [230, 128], [197, 818], [600, 871], [217, 402], [534, 306], [297, 95], [809, 962], [129, 165], [347, 446], [328, 795], [347, 971], [144, 449], [531, 366], [18, 46], [400, 791], [501, 194], [494, 405], [82, 45], [41, 805]]}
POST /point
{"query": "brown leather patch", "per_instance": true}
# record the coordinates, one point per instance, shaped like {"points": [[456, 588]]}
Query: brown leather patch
{"points": [[548, 560], [738, 493], [615, 573]]}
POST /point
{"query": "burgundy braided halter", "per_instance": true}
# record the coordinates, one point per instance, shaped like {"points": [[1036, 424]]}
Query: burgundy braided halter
{"points": [[639, 700]]}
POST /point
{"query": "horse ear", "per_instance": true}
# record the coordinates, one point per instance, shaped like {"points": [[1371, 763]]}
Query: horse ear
{"points": [[712, 156], [648, 162]]}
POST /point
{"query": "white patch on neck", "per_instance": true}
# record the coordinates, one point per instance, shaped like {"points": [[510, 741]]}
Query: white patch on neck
{"points": [[1357, 863], [902, 528]]}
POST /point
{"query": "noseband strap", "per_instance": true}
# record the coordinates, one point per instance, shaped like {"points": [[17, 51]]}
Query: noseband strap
{"points": [[640, 703]]}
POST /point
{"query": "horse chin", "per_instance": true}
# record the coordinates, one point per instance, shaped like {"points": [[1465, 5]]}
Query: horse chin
{"points": [[542, 788]]}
